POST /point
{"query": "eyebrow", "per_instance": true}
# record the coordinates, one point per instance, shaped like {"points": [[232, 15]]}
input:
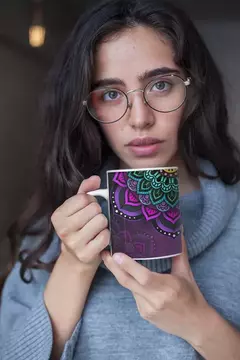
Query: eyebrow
{"points": [[147, 75]]}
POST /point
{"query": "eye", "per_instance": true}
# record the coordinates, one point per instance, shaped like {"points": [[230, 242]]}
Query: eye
{"points": [[111, 95], [161, 86]]}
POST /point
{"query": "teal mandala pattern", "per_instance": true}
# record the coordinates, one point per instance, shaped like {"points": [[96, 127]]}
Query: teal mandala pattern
{"points": [[152, 194]]}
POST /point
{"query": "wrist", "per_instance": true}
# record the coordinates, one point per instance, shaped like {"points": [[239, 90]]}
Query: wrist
{"points": [[216, 338], [208, 321], [72, 264], [65, 296]]}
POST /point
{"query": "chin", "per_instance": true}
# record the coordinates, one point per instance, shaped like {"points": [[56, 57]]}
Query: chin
{"points": [[146, 162]]}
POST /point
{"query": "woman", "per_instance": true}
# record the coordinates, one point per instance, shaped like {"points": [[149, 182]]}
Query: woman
{"points": [[61, 301]]}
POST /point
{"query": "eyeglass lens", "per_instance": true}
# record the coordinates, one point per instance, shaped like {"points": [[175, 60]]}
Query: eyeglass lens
{"points": [[164, 94]]}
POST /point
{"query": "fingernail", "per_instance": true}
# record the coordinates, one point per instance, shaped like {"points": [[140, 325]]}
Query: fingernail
{"points": [[118, 258]]}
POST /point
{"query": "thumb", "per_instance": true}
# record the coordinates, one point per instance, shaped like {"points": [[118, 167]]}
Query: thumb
{"points": [[180, 263], [90, 184]]}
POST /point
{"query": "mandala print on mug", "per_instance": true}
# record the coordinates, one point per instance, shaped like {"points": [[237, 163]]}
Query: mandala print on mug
{"points": [[149, 194]]}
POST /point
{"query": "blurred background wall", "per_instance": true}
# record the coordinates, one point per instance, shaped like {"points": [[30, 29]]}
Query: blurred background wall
{"points": [[23, 69]]}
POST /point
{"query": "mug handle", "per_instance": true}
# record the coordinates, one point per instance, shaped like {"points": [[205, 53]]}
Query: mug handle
{"points": [[100, 192]]}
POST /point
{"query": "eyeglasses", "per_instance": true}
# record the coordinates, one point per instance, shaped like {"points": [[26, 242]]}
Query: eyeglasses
{"points": [[165, 94]]}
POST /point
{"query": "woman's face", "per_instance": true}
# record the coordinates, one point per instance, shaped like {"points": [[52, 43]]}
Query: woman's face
{"points": [[143, 137]]}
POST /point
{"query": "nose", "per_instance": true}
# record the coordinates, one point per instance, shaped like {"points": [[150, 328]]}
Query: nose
{"points": [[140, 114]]}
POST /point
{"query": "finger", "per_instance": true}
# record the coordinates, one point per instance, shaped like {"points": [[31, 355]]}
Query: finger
{"points": [[140, 273], [184, 249], [78, 220], [180, 263], [143, 304], [96, 246], [76, 203], [89, 231], [90, 184], [82, 217], [122, 276], [184, 244]]}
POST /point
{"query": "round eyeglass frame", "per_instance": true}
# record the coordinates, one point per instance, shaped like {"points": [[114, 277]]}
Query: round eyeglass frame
{"points": [[186, 82]]}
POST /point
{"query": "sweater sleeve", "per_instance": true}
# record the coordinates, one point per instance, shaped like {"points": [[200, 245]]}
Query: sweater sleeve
{"points": [[25, 326]]}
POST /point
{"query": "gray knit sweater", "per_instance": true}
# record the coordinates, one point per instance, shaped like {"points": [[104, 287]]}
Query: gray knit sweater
{"points": [[111, 327]]}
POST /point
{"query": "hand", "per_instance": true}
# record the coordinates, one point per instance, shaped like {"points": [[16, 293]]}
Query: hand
{"points": [[81, 226], [172, 302]]}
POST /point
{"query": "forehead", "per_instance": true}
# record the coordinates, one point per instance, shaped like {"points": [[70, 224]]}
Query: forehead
{"points": [[131, 52]]}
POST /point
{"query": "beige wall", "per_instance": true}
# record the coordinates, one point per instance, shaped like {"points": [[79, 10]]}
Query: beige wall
{"points": [[21, 79], [222, 38]]}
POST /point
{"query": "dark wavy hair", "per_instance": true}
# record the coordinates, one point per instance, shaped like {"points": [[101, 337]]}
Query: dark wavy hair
{"points": [[73, 146]]}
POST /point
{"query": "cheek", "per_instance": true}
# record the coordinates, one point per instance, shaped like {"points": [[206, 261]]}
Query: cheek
{"points": [[112, 133], [169, 125]]}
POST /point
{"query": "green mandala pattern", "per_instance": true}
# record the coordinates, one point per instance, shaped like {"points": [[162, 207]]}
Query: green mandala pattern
{"points": [[159, 186]]}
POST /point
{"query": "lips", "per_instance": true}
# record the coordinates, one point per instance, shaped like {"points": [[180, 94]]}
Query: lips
{"points": [[146, 141], [145, 147]]}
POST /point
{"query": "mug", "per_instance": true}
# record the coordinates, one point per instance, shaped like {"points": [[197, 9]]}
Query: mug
{"points": [[144, 213]]}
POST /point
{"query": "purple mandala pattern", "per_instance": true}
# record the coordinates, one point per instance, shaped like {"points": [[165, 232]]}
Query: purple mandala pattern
{"points": [[152, 195]]}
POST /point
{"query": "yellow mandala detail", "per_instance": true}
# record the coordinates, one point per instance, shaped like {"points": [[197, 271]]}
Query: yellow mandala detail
{"points": [[170, 171]]}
